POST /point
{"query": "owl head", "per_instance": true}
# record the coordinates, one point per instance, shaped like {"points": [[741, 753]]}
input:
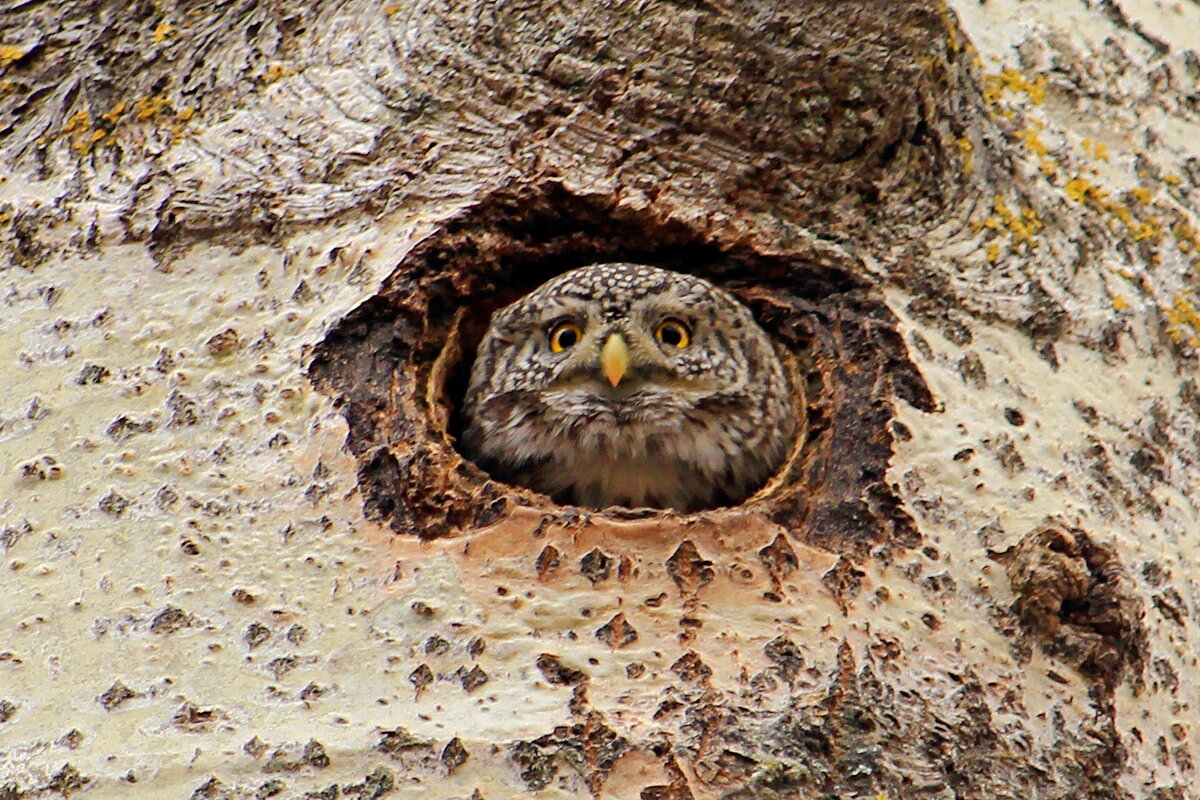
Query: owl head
{"points": [[625, 384]]}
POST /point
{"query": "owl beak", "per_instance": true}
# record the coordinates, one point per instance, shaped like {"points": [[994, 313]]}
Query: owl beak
{"points": [[614, 359]]}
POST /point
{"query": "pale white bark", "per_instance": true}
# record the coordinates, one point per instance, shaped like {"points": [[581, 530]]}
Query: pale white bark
{"points": [[192, 593]]}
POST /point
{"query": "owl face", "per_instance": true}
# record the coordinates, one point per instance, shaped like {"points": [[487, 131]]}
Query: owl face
{"points": [[624, 384]]}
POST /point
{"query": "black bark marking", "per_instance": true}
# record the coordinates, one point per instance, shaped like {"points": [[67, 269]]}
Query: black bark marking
{"points": [[689, 569], [558, 673], [473, 678], [691, 668], [595, 566], [547, 561], [617, 632], [844, 581], [454, 755]]}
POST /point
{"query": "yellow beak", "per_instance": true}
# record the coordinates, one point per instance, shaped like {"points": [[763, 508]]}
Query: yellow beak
{"points": [[614, 358]]}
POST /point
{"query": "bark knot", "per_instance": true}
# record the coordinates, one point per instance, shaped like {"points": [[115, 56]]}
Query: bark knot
{"points": [[1077, 599]]}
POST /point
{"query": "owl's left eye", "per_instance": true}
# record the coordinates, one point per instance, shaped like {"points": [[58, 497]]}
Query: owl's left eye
{"points": [[673, 333], [564, 335]]}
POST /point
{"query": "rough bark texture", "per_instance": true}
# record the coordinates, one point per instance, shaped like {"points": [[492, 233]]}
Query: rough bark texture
{"points": [[249, 249]]}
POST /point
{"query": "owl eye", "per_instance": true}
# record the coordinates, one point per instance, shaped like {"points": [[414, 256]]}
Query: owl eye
{"points": [[564, 335], [673, 333]]}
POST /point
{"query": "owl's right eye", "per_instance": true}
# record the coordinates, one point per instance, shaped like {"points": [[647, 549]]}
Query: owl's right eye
{"points": [[565, 335]]}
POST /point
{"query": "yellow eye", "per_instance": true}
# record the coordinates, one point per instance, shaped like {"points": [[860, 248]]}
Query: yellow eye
{"points": [[565, 335], [673, 333]]}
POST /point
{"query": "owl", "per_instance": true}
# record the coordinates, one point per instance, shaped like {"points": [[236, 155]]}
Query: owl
{"points": [[629, 385]]}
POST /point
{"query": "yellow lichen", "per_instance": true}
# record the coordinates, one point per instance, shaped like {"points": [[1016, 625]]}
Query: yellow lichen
{"points": [[1120, 303], [1151, 228], [1049, 166], [10, 53], [1183, 314], [1037, 90], [79, 121], [83, 136], [1187, 311], [1140, 228], [1014, 81], [950, 25], [113, 114], [1077, 189], [1032, 220], [1034, 142], [147, 107], [275, 72], [967, 151], [83, 144], [1097, 149], [1118, 210], [1020, 227], [1001, 208], [1186, 236], [163, 31]]}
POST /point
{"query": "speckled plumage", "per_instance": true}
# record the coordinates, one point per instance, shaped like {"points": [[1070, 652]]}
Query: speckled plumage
{"points": [[688, 428]]}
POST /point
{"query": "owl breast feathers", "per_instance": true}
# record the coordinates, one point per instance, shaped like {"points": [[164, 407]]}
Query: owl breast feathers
{"points": [[624, 384]]}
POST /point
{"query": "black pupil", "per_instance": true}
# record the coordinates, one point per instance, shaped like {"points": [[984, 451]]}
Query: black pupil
{"points": [[672, 335], [567, 337]]}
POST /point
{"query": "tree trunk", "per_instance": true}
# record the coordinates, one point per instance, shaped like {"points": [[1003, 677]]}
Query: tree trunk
{"points": [[249, 249]]}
